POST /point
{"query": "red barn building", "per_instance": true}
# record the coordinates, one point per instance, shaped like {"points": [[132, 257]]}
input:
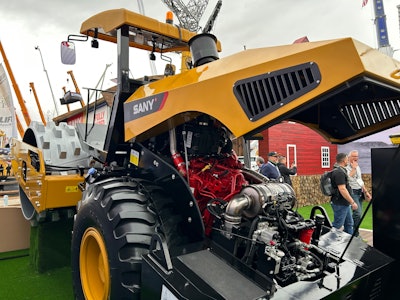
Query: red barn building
{"points": [[311, 152]]}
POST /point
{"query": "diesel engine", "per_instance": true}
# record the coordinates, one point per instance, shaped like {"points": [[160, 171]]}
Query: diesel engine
{"points": [[245, 212]]}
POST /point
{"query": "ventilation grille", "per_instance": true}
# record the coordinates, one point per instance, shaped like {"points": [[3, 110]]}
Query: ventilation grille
{"points": [[362, 115], [262, 94], [376, 289]]}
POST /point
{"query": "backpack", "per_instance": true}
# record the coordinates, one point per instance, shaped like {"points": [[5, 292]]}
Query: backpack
{"points": [[326, 184]]}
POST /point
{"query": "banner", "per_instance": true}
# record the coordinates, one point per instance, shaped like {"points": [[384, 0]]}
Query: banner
{"points": [[7, 111]]}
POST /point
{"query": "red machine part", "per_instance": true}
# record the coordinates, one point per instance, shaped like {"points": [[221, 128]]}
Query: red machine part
{"points": [[179, 163], [215, 178]]}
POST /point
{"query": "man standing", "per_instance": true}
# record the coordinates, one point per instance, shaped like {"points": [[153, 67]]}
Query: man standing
{"points": [[260, 162], [341, 199], [357, 186], [8, 168], [270, 169], [285, 171]]}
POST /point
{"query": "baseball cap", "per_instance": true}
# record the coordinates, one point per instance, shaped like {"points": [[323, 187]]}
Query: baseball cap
{"points": [[273, 153]]}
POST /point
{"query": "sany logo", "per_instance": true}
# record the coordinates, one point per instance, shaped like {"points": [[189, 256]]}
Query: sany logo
{"points": [[140, 108], [143, 107]]}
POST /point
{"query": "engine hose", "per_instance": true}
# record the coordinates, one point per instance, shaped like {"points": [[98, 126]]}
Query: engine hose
{"points": [[176, 156], [211, 207], [326, 254], [186, 154], [286, 231], [249, 259], [298, 227], [254, 224], [319, 262], [249, 245]]}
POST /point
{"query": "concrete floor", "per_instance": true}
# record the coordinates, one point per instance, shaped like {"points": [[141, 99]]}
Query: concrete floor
{"points": [[367, 235]]}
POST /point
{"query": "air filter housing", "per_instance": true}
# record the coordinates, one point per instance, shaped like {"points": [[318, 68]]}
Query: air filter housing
{"points": [[203, 48]]}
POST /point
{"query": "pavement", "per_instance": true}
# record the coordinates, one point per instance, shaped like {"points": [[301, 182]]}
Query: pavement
{"points": [[366, 235]]}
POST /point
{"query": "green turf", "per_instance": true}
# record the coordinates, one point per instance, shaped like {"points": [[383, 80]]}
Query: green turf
{"points": [[365, 224], [20, 281], [50, 244]]}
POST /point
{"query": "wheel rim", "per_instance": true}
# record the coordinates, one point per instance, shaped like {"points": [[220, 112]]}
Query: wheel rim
{"points": [[93, 265]]}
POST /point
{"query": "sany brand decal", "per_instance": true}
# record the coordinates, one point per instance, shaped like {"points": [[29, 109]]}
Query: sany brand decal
{"points": [[143, 107]]}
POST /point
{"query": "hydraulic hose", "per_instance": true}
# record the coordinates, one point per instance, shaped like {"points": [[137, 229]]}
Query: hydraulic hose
{"points": [[176, 156]]}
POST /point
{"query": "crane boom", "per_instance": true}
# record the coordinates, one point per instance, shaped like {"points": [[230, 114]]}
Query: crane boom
{"points": [[76, 86], [32, 86], [210, 22], [20, 128], [65, 91], [188, 15]]}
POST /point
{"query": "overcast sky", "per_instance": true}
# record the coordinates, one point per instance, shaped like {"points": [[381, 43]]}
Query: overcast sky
{"points": [[25, 24]]}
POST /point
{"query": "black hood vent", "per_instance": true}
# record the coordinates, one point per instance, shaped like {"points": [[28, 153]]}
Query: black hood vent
{"points": [[262, 94]]}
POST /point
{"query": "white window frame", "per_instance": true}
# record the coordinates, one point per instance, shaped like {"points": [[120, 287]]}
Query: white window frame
{"points": [[325, 157], [289, 159]]}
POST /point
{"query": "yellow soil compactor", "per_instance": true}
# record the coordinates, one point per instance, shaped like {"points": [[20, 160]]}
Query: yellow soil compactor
{"points": [[160, 204]]}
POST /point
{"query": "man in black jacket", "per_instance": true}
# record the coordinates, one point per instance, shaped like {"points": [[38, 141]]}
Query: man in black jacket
{"points": [[342, 202], [285, 171]]}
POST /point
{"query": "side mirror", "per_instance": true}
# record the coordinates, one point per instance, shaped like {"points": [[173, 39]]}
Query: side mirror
{"points": [[68, 56]]}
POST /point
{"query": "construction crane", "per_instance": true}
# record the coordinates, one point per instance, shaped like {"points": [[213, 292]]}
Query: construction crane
{"points": [[65, 91], [210, 22], [76, 86], [20, 128], [48, 80], [32, 86], [381, 29], [189, 15]]}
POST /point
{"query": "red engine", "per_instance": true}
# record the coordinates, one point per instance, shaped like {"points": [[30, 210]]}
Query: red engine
{"points": [[215, 178]]}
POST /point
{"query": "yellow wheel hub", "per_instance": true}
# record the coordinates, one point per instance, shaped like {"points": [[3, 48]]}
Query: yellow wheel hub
{"points": [[93, 266]]}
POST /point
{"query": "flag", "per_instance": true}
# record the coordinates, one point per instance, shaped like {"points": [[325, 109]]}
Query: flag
{"points": [[303, 39], [364, 2]]}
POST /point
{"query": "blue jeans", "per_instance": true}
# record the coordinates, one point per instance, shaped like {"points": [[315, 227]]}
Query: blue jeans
{"points": [[358, 212], [342, 217]]}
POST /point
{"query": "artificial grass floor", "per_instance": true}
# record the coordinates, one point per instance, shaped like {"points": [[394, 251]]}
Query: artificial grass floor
{"points": [[365, 224], [18, 280]]}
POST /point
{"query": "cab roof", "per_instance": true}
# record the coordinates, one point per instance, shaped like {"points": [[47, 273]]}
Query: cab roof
{"points": [[143, 31]]}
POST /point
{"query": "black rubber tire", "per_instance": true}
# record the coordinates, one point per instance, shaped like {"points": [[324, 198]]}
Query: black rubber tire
{"points": [[118, 215]]}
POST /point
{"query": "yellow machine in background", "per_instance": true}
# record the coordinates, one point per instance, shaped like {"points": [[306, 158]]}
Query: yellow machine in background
{"points": [[2, 137], [162, 204], [41, 190]]}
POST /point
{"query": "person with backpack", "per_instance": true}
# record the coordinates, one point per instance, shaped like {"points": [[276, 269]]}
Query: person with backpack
{"points": [[341, 201], [357, 186]]}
